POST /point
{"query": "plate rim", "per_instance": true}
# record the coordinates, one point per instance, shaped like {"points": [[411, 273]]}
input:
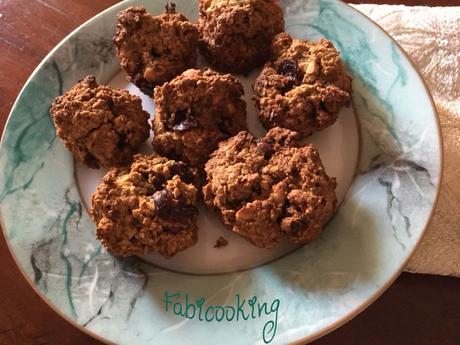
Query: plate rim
{"points": [[337, 324], [331, 327]]}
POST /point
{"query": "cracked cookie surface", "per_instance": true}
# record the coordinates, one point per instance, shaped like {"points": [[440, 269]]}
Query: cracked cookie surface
{"points": [[147, 207], [101, 126], [235, 35], [269, 188], [154, 49], [195, 111], [303, 87]]}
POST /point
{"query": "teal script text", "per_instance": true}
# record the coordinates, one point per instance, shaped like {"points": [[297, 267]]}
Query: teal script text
{"points": [[181, 304]]}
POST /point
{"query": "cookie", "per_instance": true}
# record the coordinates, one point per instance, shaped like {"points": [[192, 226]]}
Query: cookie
{"points": [[303, 87], [154, 49], [235, 35], [149, 206], [194, 112], [269, 188], [101, 126]]}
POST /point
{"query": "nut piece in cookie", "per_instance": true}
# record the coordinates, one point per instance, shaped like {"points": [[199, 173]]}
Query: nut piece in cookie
{"points": [[147, 207], [269, 188], [100, 125], [153, 50], [195, 111], [303, 87], [235, 35]]}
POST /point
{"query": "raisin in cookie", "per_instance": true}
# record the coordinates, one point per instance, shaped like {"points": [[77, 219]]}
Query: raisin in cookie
{"points": [[153, 50], [194, 112], [100, 125], [303, 87], [235, 35], [147, 207], [269, 188]]}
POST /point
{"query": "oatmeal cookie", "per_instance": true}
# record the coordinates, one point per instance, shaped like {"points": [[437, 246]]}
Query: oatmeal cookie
{"points": [[100, 125], [269, 188], [303, 87], [235, 35], [194, 112], [153, 50], [147, 207]]}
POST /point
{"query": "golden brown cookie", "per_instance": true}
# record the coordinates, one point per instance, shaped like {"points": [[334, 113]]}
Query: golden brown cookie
{"points": [[154, 49], [195, 111], [303, 87], [235, 35], [269, 188], [147, 207], [100, 125]]}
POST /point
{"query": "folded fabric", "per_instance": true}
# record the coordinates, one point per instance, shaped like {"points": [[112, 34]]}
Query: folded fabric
{"points": [[431, 37]]}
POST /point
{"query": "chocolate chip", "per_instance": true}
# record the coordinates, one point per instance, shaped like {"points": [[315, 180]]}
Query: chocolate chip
{"points": [[291, 71], [289, 68], [163, 201], [171, 210]]}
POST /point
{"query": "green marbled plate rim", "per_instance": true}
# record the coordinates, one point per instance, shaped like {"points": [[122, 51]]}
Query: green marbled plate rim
{"points": [[390, 282], [312, 336]]}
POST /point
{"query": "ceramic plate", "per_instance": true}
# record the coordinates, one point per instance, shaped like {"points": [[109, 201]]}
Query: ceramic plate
{"points": [[385, 152]]}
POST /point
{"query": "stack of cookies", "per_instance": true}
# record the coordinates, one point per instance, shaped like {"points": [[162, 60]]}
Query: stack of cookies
{"points": [[264, 189]]}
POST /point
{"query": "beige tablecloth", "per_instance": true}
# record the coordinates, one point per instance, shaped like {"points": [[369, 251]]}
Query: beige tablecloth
{"points": [[431, 37]]}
